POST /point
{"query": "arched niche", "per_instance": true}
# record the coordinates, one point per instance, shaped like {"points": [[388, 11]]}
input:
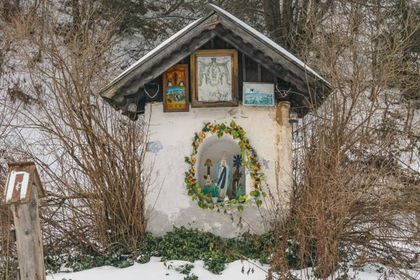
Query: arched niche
{"points": [[209, 156]]}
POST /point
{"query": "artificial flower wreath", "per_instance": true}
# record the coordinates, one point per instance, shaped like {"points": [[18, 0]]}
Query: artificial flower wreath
{"points": [[249, 161]]}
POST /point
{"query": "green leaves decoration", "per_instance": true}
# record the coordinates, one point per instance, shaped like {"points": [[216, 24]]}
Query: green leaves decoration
{"points": [[249, 162]]}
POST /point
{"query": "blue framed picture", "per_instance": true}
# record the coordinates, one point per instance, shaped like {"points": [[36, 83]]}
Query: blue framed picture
{"points": [[258, 94]]}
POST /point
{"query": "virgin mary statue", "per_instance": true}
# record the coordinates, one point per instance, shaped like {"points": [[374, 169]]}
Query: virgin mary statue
{"points": [[223, 172]]}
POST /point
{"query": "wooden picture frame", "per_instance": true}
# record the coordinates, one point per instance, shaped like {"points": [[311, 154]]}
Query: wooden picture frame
{"points": [[214, 78], [176, 89]]}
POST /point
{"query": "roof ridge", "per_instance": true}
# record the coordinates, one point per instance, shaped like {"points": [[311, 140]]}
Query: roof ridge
{"points": [[289, 56], [155, 51]]}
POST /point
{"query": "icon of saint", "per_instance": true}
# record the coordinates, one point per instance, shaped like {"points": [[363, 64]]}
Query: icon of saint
{"points": [[223, 177]]}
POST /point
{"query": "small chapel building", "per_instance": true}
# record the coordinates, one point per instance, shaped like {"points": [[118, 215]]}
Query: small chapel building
{"points": [[220, 98]]}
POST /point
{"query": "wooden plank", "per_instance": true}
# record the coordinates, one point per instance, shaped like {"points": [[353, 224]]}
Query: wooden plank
{"points": [[267, 76], [244, 78], [29, 239], [240, 77], [268, 50], [160, 66], [113, 89], [219, 44], [259, 57], [251, 69], [250, 51]]}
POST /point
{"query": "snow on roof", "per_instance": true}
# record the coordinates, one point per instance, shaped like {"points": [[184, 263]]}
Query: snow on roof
{"points": [[267, 40], [186, 29], [155, 50]]}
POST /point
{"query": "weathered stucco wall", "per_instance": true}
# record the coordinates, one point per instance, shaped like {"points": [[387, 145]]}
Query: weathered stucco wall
{"points": [[171, 135]]}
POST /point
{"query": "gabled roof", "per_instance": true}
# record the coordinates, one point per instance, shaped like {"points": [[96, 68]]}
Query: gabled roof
{"points": [[155, 51], [219, 23], [109, 90], [268, 41]]}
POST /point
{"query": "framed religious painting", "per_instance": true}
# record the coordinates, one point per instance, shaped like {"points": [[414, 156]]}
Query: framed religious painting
{"points": [[175, 89], [214, 78], [258, 94]]}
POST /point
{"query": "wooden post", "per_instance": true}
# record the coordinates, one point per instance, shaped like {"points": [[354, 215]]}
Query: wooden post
{"points": [[23, 190]]}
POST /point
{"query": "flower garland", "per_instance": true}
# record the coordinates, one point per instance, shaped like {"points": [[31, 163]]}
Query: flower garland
{"points": [[250, 162]]}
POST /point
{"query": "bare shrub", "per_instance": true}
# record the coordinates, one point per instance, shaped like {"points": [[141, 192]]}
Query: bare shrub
{"points": [[7, 248], [8, 111], [7, 252], [355, 196], [90, 155]]}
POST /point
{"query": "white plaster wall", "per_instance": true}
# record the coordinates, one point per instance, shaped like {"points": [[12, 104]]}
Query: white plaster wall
{"points": [[170, 139]]}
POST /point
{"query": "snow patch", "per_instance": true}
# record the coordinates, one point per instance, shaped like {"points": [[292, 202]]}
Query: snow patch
{"points": [[157, 270]]}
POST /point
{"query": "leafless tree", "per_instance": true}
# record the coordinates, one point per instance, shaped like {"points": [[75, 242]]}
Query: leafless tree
{"points": [[356, 194], [290, 22]]}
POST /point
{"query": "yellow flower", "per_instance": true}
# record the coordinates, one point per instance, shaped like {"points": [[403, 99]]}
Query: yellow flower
{"points": [[202, 135]]}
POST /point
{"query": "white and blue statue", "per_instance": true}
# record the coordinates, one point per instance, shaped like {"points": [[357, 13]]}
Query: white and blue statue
{"points": [[223, 172]]}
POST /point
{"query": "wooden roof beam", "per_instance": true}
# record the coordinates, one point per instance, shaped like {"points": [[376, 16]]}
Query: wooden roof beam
{"points": [[171, 58]]}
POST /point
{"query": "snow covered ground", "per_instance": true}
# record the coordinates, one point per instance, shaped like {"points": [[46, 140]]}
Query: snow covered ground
{"points": [[157, 270]]}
